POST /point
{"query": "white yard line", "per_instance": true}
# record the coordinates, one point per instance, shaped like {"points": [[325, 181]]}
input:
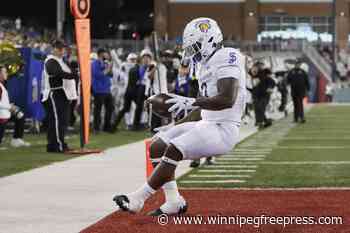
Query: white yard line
{"points": [[276, 189], [226, 171], [235, 157], [305, 163], [240, 150], [219, 176], [234, 153], [312, 147], [230, 166], [211, 181], [316, 138], [247, 159]]}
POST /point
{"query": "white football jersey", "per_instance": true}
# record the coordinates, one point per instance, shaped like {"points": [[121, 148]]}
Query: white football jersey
{"points": [[225, 63]]}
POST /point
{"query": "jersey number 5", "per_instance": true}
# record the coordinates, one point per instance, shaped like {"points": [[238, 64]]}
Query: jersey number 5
{"points": [[233, 58]]}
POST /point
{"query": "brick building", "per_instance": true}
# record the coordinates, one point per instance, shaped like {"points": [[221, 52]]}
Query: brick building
{"points": [[245, 19]]}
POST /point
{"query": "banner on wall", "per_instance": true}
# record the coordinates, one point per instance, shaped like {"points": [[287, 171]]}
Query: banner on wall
{"points": [[25, 87]]}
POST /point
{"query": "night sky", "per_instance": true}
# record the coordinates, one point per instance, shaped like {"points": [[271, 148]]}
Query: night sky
{"points": [[105, 15]]}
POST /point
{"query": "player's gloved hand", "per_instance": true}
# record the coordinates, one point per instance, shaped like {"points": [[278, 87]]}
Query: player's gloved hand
{"points": [[180, 103], [164, 128]]}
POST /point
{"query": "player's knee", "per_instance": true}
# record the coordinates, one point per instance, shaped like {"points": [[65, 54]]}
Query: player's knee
{"points": [[157, 148], [173, 153]]}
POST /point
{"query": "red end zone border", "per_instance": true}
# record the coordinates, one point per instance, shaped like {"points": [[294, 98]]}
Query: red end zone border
{"points": [[315, 202]]}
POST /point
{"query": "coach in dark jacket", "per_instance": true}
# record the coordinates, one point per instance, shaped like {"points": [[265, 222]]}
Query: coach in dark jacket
{"points": [[299, 82]]}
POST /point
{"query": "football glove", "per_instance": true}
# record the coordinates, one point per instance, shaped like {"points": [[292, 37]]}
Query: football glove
{"points": [[180, 104]]}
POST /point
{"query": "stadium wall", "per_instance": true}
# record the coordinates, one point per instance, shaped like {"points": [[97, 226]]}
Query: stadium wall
{"points": [[239, 18]]}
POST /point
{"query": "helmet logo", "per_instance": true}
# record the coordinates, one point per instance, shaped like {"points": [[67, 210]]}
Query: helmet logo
{"points": [[203, 25]]}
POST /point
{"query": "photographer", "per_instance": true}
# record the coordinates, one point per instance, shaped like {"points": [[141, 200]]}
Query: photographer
{"points": [[101, 89], [263, 85], [10, 111], [139, 78], [156, 83], [183, 80], [167, 58]]}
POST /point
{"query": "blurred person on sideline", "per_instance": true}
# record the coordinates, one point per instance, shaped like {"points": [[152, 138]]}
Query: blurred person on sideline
{"points": [[167, 58], [59, 91], [17, 139], [120, 84], [72, 61], [5, 106], [299, 83], [263, 85], [101, 89], [249, 85], [136, 89], [183, 80], [9, 111], [156, 83]]}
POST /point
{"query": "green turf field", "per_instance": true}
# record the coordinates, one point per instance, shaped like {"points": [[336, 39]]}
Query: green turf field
{"points": [[315, 154], [17, 160]]}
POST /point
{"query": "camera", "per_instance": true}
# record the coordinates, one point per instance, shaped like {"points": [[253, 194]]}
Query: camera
{"points": [[151, 67], [16, 111]]}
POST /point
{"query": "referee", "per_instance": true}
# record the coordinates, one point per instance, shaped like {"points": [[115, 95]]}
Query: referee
{"points": [[59, 91]]}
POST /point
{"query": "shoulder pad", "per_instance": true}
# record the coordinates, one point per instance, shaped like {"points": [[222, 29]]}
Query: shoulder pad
{"points": [[226, 57]]}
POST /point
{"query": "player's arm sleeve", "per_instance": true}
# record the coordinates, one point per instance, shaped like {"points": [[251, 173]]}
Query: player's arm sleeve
{"points": [[228, 71]]}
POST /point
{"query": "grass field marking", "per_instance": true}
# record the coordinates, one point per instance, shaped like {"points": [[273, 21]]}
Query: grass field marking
{"points": [[247, 159], [253, 150], [248, 147], [227, 171], [233, 157], [276, 189], [305, 163], [324, 131], [235, 166], [240, 156], [316, 138], [243, 154], [219, 176], [233, 163], [312, 147], [211, 181]]}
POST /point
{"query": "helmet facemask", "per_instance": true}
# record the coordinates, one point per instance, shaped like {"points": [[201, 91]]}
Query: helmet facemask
{"points": [[193, 51]]}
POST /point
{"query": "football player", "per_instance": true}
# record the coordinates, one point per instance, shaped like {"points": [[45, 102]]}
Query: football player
{"points": [[212, 127]]}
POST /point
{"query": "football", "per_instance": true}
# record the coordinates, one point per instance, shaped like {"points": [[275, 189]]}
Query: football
{"points": [[158, 105]]}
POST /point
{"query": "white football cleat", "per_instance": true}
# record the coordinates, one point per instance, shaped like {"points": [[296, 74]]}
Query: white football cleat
{"points": [[129, 203], [171, 208]]}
